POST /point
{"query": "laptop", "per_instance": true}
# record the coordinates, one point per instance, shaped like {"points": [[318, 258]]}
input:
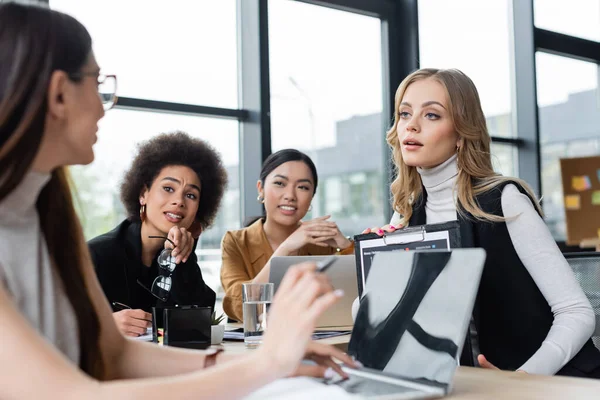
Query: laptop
{"points": [[412, 322], [341, 274]]}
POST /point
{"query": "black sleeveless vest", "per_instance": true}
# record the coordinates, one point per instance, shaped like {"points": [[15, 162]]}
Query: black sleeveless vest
{"points": [[511, 316]]}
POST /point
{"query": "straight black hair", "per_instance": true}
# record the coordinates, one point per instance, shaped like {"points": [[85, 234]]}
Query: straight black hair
{"points": [[274, 161], [286, 155]]}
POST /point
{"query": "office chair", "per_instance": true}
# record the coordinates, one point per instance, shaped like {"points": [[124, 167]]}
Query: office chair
{"points": [[586, 267]]}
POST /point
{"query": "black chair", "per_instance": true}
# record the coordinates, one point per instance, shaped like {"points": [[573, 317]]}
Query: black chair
{"points": [[586, 267]]}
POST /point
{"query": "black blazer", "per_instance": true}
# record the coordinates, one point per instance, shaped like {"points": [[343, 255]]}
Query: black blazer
{"points": [[117, 257]]}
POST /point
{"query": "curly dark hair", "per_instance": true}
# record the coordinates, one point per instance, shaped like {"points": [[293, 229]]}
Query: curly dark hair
{"points": [[173, 149]]}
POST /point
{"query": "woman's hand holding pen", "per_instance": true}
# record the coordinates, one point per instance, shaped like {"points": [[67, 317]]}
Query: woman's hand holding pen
{"points": [[131, 322], [304, 294]]}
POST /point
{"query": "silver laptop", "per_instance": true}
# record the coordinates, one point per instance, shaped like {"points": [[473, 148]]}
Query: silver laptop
{"points": [[341, 274], [412, 323]]}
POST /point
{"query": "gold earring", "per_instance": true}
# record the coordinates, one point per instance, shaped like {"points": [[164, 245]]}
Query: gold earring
{"points": [[143, 212]]}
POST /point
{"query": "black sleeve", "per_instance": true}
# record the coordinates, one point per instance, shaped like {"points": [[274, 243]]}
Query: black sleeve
{"points": [[98, 266], [106, 272], [189, 287]]}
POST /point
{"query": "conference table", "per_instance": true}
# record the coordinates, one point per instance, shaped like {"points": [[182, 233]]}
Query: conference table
{"points": [[477, 383]]}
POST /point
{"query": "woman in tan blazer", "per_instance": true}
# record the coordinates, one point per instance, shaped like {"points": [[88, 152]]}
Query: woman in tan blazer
{"points": [[287, 185]]}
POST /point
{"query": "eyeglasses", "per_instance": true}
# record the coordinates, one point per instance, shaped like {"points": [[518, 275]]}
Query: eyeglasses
{"points": [[107, 87], [161, 287]]}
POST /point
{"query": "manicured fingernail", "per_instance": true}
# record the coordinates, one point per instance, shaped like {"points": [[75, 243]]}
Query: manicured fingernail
{"points": [[358, 364], [329, 373], [380, 231], [339, 293]]}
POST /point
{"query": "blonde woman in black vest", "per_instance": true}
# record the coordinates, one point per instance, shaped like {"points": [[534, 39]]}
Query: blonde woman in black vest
{"points": [[531, 314], [59, 336]]}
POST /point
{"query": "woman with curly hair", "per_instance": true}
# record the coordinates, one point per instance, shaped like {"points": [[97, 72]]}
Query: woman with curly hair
{"points": [[172, 190]]}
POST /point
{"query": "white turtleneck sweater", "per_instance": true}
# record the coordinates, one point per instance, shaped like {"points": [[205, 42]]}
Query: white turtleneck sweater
{"points": [[574, 320], [26, 272]]}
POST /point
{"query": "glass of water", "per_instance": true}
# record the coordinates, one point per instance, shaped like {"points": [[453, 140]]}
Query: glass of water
{"points": [[256, 297]]}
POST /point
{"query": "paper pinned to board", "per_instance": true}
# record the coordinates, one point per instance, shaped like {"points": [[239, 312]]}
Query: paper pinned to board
{"points": [[596, 198], [581, 183], [573, 202]]}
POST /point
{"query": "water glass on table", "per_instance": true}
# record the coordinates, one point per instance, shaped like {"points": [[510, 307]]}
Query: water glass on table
{"points": [[256, 300]]}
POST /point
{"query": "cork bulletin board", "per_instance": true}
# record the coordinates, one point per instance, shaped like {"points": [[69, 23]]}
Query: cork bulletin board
{"points": [[581, 191]]}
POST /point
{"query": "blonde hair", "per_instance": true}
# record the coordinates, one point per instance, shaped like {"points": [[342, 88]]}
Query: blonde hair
{"points": [[475, 171]]}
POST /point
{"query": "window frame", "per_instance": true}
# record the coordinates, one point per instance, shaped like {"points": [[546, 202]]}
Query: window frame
{"points": [[563, 45]]}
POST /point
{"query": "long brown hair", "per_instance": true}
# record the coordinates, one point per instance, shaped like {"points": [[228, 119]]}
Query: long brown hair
{"points": [[475, 171], [35, 42]]}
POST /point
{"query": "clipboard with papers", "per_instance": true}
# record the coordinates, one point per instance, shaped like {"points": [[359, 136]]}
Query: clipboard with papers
{"points": [[442, 236]]}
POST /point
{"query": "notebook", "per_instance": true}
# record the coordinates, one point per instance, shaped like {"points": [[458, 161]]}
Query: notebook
{"points": [[412, 323]]}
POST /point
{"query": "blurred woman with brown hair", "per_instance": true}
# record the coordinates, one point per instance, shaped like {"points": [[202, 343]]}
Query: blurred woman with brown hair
{"points": [[52, 309]]}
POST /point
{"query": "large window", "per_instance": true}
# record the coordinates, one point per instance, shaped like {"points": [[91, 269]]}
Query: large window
{"points": [[503, 158], [326, 100], [569, 124], [182, 52], [579, 18], [473, 36]]}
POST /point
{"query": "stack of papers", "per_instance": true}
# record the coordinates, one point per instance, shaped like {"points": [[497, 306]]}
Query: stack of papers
{"points": [[147, 337], [238, 334], [327, 334]]}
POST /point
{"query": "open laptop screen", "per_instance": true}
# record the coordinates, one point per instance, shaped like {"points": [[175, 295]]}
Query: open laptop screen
{"points": [[414, 314]]}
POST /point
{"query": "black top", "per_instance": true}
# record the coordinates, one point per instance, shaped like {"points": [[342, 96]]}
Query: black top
{"points": [[511, 316], [117, 257]]}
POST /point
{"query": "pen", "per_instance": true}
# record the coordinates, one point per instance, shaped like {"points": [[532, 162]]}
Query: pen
{"points": [[120, 306], [324, 265]]}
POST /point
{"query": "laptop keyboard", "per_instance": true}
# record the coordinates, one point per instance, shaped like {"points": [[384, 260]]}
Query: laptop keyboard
{"points": [[370, 387]]}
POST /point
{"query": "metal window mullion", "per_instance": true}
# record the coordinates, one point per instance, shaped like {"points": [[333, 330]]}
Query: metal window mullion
{"points": [[566, 46], [518, 142], [130, 103], [400, 52], [524, 110], [372, 8], [254, 97]]}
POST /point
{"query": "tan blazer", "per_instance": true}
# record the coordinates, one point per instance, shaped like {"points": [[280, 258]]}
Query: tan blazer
{"points": [[245, 253]]}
